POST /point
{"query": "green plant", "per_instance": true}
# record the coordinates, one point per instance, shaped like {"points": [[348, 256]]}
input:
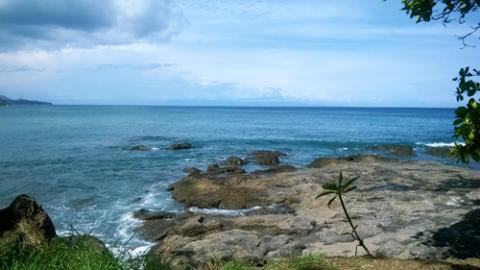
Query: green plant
{"points": [[467, 122], [338, 190]]}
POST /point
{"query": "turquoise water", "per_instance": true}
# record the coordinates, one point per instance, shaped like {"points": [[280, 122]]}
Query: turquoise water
{"points": [[73, 159]]}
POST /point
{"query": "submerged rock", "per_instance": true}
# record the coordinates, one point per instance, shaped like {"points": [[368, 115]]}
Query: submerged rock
{"points": [[179, 146], [264, 157], [401, 150], [24, 218], [140, 147]]}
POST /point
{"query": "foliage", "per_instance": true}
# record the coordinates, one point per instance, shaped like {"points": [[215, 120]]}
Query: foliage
{"points": [[338, 190], [467, 122], [425, 10]]}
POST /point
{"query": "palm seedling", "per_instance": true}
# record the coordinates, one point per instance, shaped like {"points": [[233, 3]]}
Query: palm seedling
{"points": [[338, 189]]}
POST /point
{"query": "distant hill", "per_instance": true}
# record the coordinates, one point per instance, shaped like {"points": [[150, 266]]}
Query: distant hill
{"points": [[8, 101]]}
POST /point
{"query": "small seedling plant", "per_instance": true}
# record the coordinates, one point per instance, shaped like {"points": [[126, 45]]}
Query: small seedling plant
{"points": [[338, 190]]}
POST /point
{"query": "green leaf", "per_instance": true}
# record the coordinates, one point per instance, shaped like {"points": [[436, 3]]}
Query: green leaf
{"points": [[331, 201], [349, 189], [330, 186], [325, 193], [351, 181]]}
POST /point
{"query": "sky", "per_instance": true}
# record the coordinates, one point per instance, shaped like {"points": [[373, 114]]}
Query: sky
{"points": [[228, 52]]}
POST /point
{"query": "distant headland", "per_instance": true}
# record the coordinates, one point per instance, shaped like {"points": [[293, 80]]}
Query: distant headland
{"points": [[5, 101]]}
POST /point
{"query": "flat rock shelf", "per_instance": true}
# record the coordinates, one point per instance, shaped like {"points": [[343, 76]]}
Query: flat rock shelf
{"points": [[404, 209]]}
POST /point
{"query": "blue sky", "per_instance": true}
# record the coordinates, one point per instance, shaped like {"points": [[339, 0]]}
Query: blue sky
{"points": [[228, 52]]}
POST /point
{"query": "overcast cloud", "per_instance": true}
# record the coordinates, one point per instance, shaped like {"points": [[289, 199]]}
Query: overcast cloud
{"points": [[53, 24]]}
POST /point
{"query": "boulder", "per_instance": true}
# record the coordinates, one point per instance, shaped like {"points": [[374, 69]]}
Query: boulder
{"points": [[179, 146], [400, 150], [25, 218], [140, 147], [265, 157]]}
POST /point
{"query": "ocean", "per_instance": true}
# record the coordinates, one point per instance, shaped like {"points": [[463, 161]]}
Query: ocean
{"points": [[74, 159]]}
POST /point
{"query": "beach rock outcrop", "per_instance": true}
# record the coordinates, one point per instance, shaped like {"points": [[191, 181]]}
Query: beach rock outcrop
{"points": [[179, 146], [235, 161], [25, 219], [442, 151], [332, 162], [400, 150], [404, 209], [139, 147], [264, 157], [192, 170]]}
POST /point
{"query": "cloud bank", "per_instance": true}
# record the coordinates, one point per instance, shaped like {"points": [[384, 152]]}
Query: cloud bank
{"points": [[47, 24]]}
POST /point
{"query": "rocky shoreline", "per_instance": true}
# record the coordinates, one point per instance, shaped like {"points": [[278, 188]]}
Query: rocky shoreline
{"points": [[404, 209]]}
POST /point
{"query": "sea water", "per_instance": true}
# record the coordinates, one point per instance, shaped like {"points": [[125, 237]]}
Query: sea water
{"points": [[75, 160]]}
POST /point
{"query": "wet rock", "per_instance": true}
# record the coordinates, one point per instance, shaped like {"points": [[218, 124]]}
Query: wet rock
{"points": [[276, 169], [234, 161], [140, 147], [26, 219], [179, 146], [325, 162], [264, 157], [192, 171], [400, 150], [145, 214], [443, 152], [215, 170]]}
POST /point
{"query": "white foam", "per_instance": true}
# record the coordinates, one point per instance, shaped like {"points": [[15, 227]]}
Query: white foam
{"points": [[155, 149], [454, 201], [441, 144], [223, 212]]}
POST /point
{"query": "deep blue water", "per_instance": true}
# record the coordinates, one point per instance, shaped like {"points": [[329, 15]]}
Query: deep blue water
{"points": [[73, 160]]}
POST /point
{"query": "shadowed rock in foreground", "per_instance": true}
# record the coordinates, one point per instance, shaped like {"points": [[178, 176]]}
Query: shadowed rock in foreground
{"points": [[402, 210], [25, 218]]}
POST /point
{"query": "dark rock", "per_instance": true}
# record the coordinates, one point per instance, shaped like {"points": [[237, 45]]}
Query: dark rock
{"points": [[179, 146], [264, 157], [234, 161], [276, 169], [324, 162], [206, 193], [443, 152], [145, 214], [213, 168], [400, 150], [140, 147], [25, 208], [192, 171]]}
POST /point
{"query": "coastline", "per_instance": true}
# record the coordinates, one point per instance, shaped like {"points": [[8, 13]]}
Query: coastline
{"points": [[404, 209]]}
